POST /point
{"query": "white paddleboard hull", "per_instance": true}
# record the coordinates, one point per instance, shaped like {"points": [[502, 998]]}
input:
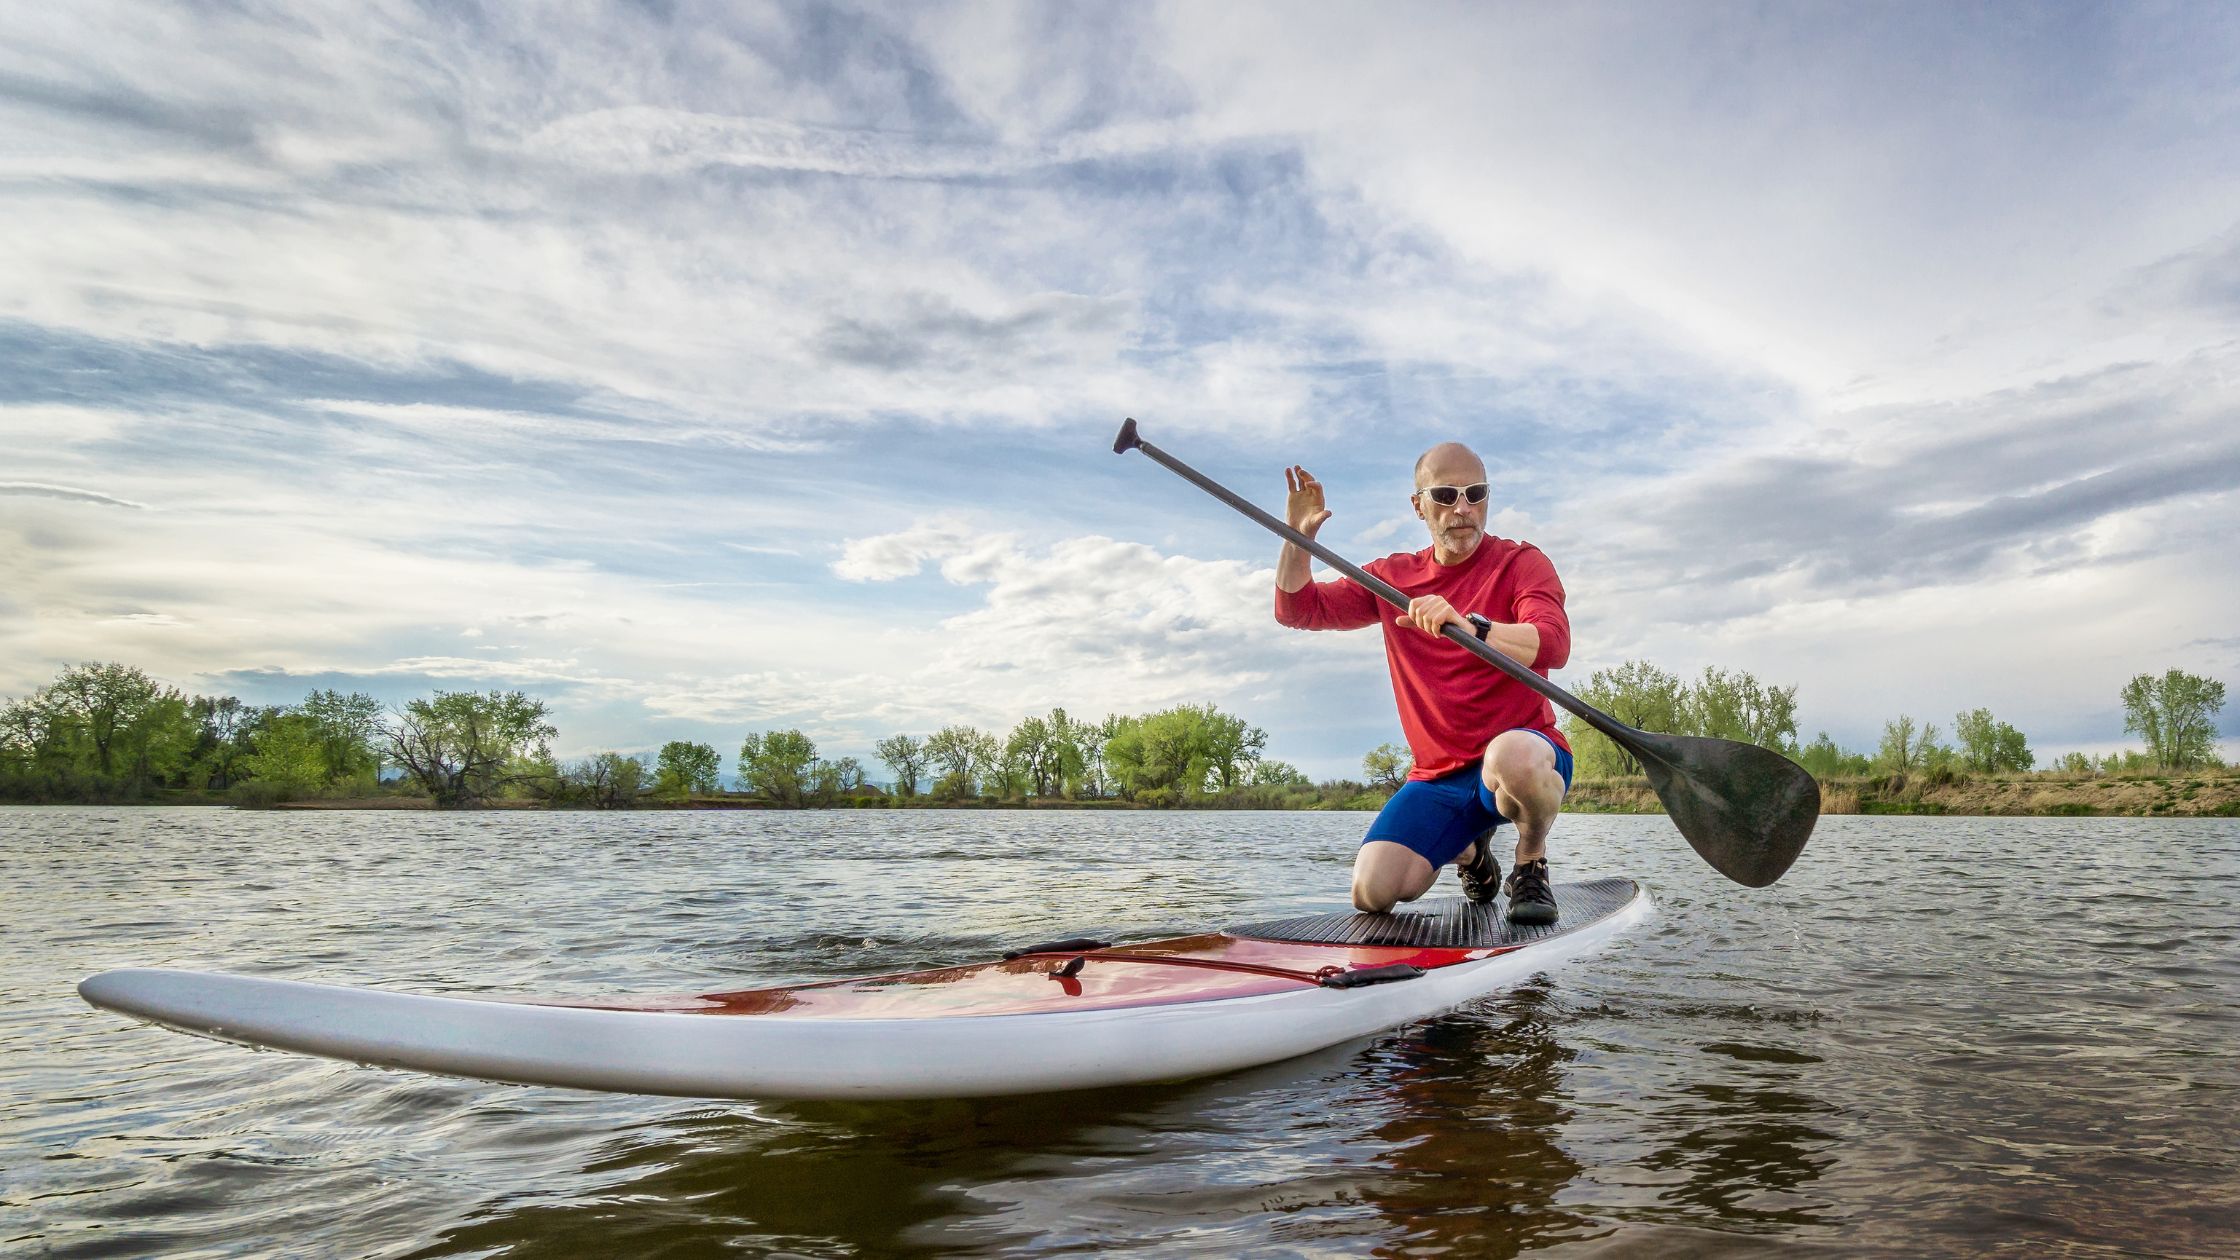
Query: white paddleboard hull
{"points": [[746, 1056]]}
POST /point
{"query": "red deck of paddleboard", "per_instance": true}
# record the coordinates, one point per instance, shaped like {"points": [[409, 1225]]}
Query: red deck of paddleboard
{"points": [[1155, 973]]}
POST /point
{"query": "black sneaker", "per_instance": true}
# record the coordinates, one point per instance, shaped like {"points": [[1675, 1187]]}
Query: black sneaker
{"points": [[1531, 900], [1481, 877]]}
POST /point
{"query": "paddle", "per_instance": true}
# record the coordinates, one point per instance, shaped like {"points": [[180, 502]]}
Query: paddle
{"points": [[1746, 810]]}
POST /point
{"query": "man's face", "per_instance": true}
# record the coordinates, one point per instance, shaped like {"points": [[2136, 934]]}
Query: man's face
{"points": [[1458, 528]]}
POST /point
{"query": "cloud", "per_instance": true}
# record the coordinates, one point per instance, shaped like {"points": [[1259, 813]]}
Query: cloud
{"points": [[1090, 622], [71, 493], [885, 557], [1938, 496], [646, 140], [1799, 351], [2206, 276], [1809, 197], [919, 328]]}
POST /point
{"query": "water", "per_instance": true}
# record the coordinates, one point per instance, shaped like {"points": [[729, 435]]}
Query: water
{"points": [[1936, 1036]]}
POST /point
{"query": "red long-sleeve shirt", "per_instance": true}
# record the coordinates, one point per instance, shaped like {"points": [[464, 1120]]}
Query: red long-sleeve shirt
{"points": [[1451, 703]]}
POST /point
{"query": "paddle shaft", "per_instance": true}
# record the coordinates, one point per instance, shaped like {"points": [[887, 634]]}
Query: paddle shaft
{"points": [[1391, 594]]}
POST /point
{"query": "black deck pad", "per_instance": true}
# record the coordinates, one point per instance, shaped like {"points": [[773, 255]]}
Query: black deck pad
{"points": [[1451, 922]]}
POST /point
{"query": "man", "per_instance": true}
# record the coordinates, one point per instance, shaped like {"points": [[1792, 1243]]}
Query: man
{"points": [[1486, 747]]}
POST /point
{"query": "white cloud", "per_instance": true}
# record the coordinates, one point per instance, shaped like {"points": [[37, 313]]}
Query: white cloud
{"points": [[579, 340], [74, 494], [640, 139], [1092, 623], [885, 557], [1835, 212]]}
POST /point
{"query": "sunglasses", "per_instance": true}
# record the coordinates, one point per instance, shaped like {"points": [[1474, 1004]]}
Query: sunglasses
{"points": [[1445, 496]]}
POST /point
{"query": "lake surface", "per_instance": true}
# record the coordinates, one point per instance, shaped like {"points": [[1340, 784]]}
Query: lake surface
{"points": [[1936, 1036]]}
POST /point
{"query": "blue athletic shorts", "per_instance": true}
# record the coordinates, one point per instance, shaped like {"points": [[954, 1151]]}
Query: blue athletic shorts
{"points": [[1441, 817]]}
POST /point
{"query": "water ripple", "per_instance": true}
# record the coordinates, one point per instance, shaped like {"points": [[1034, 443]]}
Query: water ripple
{"points": [[1937, 1036]]}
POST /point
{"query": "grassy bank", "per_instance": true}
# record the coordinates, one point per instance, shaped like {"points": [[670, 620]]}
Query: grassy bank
{"points": [[2193, 794], [1350, 797]]}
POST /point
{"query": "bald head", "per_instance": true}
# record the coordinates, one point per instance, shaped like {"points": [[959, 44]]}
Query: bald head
{"points": [[1449, 464], [1456, 527]]}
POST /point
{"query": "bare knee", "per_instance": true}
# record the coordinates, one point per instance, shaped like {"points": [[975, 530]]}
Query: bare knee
{"points": [[1518, 764], [1386, 873]]}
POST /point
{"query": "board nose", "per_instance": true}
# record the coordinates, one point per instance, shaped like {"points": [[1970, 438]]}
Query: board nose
{"points": [[125, 990]]}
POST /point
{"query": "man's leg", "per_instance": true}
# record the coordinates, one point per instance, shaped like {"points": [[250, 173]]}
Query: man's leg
{"points": [[1386, 873], [1520, 771]]}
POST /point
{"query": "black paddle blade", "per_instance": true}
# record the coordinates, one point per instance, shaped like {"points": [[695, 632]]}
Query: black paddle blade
{"points": [[1747, 810]]}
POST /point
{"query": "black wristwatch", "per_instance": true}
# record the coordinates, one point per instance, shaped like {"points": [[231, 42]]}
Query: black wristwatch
{"points": [[1484, 625]]}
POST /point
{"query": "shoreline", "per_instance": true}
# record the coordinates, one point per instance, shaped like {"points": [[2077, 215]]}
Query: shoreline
{"points": [[2189, 794], [2196, 794]]}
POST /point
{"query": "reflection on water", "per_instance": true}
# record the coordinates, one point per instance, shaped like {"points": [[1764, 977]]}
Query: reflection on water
{"points": [[1474, 1101], [2032, 1063]]}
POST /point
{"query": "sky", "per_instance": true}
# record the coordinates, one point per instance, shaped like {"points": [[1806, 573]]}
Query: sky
{"points": [[711, 368]]}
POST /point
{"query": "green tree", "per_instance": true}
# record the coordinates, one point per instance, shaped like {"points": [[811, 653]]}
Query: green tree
{"points": [[779, 765], [1008, 778], [1737, 706], [906, 756], [461, 747], [1138, 761], [606, 781], [1071, 741], [1231, 745], [1936, 756], [965, 755], [684, 768], [1277, 774], [26, 735], [104, 701], [1183, 752], [1090, 740], [1046, 752], [159, 747], [350, 734], [288, 755], [1636, 693], [830, 781], [137, 732], [1387, 766], [224, 738], [1026, 756], [2013, 752], [1905, 749], [1823, 759], [2177, 715], [1988, 745]]}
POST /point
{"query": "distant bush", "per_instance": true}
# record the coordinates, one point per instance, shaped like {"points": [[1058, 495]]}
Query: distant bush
{"points": [[258, 794]]}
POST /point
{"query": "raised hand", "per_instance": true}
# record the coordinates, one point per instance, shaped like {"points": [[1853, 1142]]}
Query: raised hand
{"points": [[1303, 507]]}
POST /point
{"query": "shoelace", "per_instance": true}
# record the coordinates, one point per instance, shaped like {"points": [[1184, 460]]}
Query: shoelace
{"points": [[1529, 882]]}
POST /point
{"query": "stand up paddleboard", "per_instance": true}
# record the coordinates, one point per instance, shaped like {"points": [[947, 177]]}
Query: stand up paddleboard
{"points": [[1062, 1015]]}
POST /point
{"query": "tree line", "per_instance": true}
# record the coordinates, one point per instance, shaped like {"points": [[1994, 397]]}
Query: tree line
{"points": [[1188, 754], [108, 732], [2174, 713]]}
